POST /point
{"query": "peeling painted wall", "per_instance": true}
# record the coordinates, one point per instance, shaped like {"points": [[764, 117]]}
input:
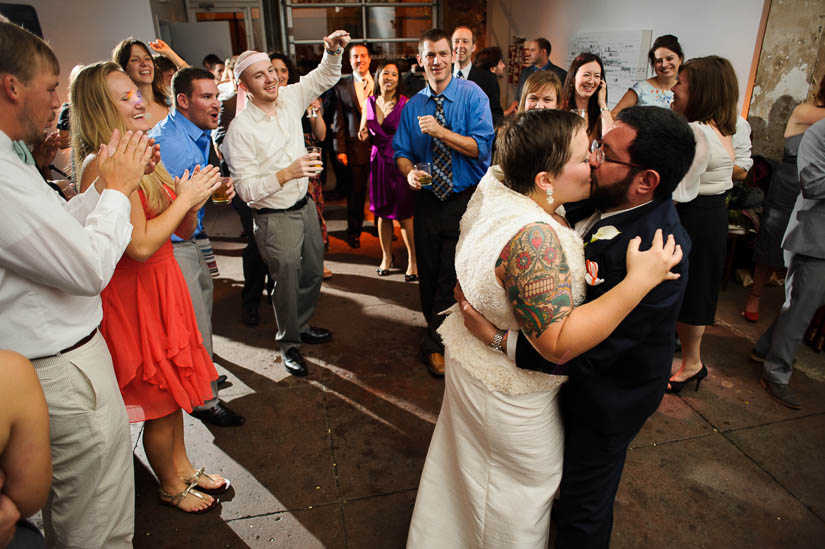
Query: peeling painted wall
{"points": [[791, 61]]}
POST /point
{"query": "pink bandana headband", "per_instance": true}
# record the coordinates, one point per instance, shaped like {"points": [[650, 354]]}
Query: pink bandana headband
{"points": [[245, 62]]}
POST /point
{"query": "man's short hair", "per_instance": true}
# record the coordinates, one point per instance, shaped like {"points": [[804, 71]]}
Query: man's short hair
{"points": [[489, 57], [434, 35], [544, 44], [24, 54], [182, 80], [535, 141], [664, 143], [358, 45], [472, 32], [211, 60]]}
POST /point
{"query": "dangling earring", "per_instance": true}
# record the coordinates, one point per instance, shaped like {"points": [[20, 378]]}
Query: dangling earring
{"points": [[549, 193]]}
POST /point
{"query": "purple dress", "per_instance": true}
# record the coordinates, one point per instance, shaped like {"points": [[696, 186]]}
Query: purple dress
{"points": [[390, 195]]}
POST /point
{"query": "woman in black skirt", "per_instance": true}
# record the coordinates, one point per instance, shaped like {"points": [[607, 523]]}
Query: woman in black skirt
{"points": [[706, 94]]}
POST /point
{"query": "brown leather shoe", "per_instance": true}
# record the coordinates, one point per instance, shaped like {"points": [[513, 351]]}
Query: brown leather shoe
{"points": [[435, 364]]}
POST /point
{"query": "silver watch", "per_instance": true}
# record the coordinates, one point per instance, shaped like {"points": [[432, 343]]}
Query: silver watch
{"points": [[497, 339]]}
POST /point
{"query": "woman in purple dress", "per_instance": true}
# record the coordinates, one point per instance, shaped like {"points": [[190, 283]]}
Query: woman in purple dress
{"points": [[390, 196]]}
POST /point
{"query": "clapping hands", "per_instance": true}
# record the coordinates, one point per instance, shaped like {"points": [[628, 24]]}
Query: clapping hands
{"points": [[125, 159]]}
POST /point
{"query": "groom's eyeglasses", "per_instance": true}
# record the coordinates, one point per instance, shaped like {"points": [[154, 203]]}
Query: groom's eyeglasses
{"points": [[601, 158]]}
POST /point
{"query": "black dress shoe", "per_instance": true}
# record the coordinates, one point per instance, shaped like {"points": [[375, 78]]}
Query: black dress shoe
{"points": [[353, 241], [294, 362], [316, 335], [250, 317], [219, 416]]}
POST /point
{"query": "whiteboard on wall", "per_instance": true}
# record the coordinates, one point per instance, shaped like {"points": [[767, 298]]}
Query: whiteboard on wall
{"points": [[624, 54]]}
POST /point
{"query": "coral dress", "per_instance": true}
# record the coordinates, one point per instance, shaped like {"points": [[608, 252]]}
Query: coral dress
{"points": [[149, 325], [390, 195]]}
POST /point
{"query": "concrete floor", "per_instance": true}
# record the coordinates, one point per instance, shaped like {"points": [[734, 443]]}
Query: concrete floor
{"points": [[333, 460]]}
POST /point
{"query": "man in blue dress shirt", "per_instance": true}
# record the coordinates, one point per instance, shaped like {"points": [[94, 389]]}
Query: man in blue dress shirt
{"points": [[185, 139], [449, 125]]}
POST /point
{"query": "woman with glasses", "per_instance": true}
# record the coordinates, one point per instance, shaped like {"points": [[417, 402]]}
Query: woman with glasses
{"points": [[706, 94]]}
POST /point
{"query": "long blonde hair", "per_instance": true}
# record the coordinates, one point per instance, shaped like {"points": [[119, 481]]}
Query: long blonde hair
{"points": [[93, 118]]}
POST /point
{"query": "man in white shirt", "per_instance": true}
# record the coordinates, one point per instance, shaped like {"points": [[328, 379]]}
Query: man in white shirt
{"points": [[264, 149], [55, 258]]}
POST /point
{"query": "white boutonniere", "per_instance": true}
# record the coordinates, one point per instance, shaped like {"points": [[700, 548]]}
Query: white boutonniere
{"points": [[591, 276], [608, 232]]}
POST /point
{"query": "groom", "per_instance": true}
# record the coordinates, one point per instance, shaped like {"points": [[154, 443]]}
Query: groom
{"points": [[615, 386]]}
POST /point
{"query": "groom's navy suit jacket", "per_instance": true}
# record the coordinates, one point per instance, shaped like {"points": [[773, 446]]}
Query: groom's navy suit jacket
{"points": [[617, 385]]}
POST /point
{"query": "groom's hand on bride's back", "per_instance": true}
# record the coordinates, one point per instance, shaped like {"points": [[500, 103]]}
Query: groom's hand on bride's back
{"points": [[479, 326], [654, 265]]}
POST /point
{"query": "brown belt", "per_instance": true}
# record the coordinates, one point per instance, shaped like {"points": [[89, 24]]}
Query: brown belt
{"points": [[77, 345]]}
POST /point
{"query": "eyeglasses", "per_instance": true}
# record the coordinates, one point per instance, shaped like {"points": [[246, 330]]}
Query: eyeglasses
{"points": [[601, 158]]}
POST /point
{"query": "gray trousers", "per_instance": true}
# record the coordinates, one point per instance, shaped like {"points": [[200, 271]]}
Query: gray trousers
{"points": [[804, 293], [291, 245], [92, 498], [199, 282]]}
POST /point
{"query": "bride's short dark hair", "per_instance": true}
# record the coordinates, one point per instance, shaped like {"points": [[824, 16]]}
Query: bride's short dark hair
{"points": [[535, 141]]}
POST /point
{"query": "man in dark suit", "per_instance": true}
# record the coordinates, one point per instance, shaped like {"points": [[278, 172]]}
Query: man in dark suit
{"points": [[351, 93], [805, 257], [615, 386], [464, 45], [537, 54]]}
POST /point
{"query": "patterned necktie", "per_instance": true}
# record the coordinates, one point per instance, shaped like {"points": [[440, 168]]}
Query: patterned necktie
{"points": [[442, 157], [460, 74]]}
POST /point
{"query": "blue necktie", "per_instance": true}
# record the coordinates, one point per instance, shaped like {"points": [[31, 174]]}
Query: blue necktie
{"points": [[442, 157]]}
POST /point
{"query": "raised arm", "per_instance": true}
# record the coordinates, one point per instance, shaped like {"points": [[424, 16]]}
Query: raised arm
{"points": [[165, 50], [535, 274]]}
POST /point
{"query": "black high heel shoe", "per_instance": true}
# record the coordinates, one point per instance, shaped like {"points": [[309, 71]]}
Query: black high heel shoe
{"points": [[676, 386], [385, 272]]}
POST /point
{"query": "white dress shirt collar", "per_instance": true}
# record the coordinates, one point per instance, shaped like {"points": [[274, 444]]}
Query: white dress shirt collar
{"points": [[465, 72]]}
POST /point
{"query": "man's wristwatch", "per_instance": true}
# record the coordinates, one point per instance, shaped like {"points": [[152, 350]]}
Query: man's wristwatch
{"points": [[337, 51], [497, 339]]}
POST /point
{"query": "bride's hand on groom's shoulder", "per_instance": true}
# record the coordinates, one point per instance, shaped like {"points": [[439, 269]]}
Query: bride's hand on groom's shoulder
{"points": [[654, 265]]}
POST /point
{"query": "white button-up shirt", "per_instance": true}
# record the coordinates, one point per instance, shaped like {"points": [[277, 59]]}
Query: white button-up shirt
{"points": [[55, 258], [258, 145]]}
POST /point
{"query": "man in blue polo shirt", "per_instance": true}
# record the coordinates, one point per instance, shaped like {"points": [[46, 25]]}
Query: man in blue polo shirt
{"points": [[449, 125], [185, 139]]}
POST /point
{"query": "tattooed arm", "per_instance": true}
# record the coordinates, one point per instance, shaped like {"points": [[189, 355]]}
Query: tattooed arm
{"points": [[533, 270]]}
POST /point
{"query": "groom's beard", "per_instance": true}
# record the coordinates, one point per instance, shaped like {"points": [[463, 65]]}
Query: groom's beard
{"points": [[609, 197]]}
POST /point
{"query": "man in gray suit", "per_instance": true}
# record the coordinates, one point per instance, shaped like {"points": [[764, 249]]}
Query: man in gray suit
{"points": [[805, 257]]}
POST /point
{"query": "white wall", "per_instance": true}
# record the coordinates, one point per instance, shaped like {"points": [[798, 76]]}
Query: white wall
{"points": [[704, 27], [85, 31]]}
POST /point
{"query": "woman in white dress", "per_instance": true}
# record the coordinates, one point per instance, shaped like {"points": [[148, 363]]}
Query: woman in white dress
{"points": [[495, 459]]}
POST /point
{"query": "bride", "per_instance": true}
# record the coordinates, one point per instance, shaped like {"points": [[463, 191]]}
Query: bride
{"points": [[495, 458]]}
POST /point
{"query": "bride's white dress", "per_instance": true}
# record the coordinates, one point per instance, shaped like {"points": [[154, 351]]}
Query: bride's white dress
{"points": [[495, 459]]}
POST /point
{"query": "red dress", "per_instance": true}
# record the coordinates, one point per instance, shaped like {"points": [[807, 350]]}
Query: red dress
{"points": [[149, 325]]}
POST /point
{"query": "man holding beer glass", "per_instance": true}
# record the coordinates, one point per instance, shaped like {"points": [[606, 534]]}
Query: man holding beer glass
{"points": [[185, 139], [264, 148]]}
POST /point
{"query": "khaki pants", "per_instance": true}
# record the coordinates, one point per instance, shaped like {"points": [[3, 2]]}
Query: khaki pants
{"points": [[92, 498]]}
